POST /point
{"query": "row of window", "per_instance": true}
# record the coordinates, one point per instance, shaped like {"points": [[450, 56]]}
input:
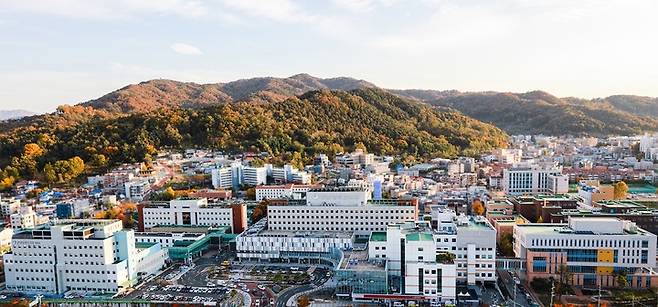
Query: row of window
{"points": [[337, 211], [273, 222], [602, 242]]}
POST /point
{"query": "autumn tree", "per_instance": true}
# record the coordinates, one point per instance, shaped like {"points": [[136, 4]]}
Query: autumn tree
{"points": [[303, 301], [168, 194], [506, 244], [32, 150], [250, 193], [477, 207], [620, 190], [260, 211]]}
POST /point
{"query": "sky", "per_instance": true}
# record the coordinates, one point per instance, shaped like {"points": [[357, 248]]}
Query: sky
{"points": [[55, 52]]}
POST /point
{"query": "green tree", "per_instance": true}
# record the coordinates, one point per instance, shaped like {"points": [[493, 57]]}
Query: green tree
{"points": [[49, 173]]}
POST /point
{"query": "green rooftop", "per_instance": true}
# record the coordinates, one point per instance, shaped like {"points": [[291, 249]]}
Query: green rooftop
{"points": [[378, 236], [144, 244], [420, 236]]}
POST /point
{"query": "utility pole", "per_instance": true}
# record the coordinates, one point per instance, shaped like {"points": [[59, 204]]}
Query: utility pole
{"points": [[598, 304]]}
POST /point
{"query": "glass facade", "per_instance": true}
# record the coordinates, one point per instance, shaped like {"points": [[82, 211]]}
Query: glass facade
{"points": [[362, 282], [539, 264], [582, 255]]}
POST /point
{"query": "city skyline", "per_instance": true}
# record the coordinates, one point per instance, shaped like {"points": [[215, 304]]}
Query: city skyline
{"points": [[586, 49]]}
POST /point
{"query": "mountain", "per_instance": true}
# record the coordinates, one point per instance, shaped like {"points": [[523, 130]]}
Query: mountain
{"points": [[14, 114], [292, 130], [639, 105], [151, 95], [539, 112]]}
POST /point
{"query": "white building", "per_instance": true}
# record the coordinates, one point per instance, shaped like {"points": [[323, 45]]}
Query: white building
{"points": [[425, 271], [472, 239], [358, 157], [361, 219], [596, 251], [323, 224], [79, 255], [27, 218], [254, 175], [9, 206], [529, 178], [342, 196], [193, 211], [293, 191], [259, 243], [222, 178], [137, 190]]}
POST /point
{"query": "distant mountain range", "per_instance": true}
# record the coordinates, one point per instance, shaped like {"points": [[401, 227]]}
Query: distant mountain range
{"points": [[297, 117], [534, 112], [14, 114], [154, 94], [538, 112]]}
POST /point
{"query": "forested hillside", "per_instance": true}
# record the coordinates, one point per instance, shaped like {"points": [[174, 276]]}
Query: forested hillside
{"points": [[291, 130]]}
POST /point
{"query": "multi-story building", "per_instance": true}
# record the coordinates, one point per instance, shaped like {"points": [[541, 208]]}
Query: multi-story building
{"points": [[361, 219], [358, 157], [73, 208], [643, 217], [423, 269], [254, 175], [595, 251], [222, 178], [540, 208], [292, 191], [137, 190], [193, 211], [81, 255], [421, 261], [538, 178], [9, 206], [342, 196], [472, 239], [27, 218]]}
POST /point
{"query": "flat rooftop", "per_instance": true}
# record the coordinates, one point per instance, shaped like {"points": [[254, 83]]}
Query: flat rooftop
{"points": [[420, 236], [378, 236], [358, 261], [169, 234]]}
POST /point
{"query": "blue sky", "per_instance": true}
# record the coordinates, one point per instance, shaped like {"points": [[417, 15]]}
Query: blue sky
{"points": [[56, 52]]}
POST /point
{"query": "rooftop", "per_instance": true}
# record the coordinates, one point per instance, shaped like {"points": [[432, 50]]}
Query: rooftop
{"points": [[358, 261], [420, 236], [378, 236]]}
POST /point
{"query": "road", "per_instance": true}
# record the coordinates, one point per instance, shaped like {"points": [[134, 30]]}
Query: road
{"points": [[510, 285], [285, 295]]}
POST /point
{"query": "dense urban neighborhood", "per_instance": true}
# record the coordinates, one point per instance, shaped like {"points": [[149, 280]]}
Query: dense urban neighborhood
{"points": [[546, 220]]}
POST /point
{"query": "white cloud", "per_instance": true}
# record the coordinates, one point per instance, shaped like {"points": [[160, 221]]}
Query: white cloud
{"points": [[106, 9], [359, 6], [284, 11], [185, 49]]}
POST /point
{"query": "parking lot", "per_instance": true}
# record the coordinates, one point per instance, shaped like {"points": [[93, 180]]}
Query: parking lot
{"points": [[216, 278]]}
